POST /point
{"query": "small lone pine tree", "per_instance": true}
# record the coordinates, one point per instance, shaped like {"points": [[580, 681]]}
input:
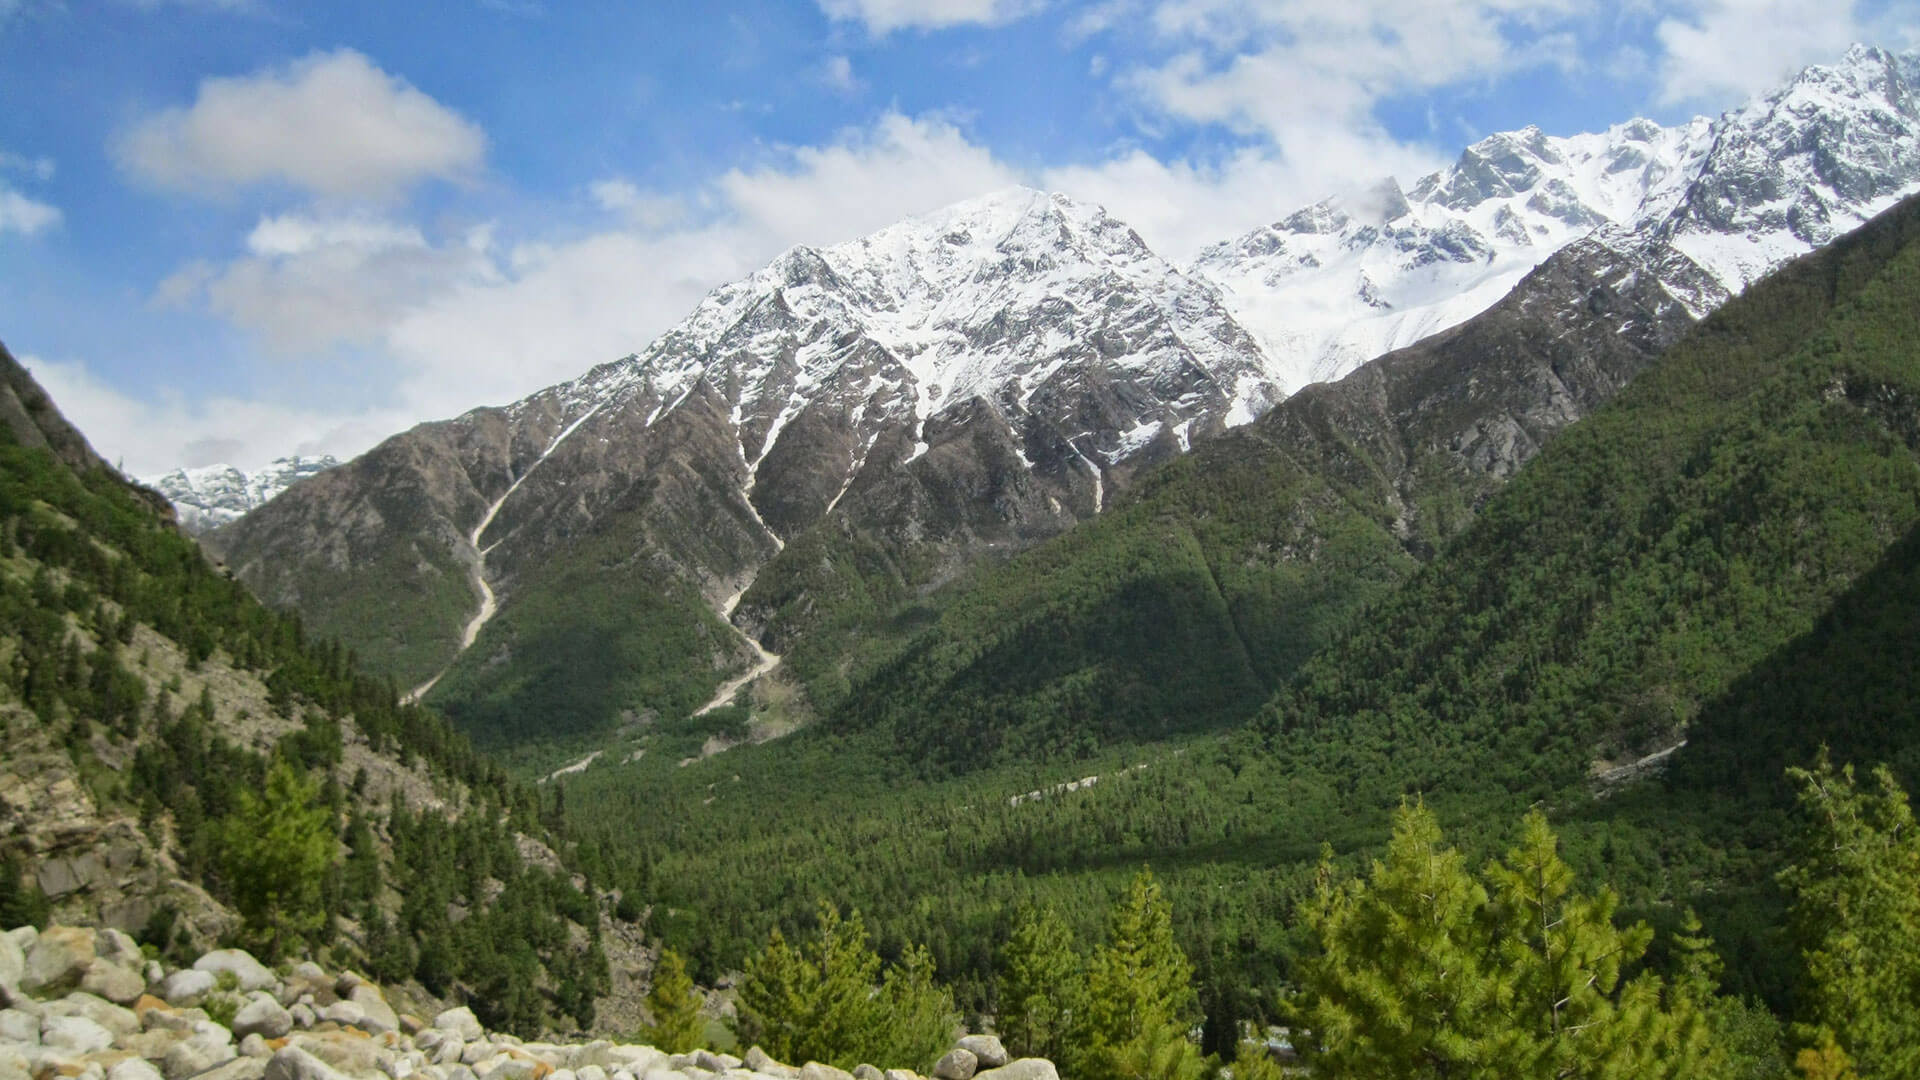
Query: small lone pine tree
{"points": [[674, 1005]]}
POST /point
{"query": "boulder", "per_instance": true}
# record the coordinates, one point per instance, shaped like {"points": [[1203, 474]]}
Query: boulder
{"points": [[1021, 1069], [303, 1015], [240, 1068], [377, 1017], [986, 1049], [117, 947], [461, 1022], [256, 1045], [712, 1062], [957, 1064], [188, 987], [14, 1064], [119, 983], [759, 1062], [293, 1063], [251, 973], [344, 1013], [115, 1018], [134, 1069], [191, 1057], [19, 1027], [867, 1072], [58, 960], [13, 966], [262, 1016], [813, 1070], [902, 1074], [76, 1033]]}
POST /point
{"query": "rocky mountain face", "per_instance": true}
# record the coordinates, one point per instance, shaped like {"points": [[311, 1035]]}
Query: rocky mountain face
{"points": [[208, 497], [81, 1002], [1338, 283], [851, 426]]}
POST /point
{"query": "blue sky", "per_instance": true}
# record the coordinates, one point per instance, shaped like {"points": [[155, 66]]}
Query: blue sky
{"points": [[232, 229]]}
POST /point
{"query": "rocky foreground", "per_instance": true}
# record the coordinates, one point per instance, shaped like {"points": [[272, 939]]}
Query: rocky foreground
{"points": [[86, 1004]]}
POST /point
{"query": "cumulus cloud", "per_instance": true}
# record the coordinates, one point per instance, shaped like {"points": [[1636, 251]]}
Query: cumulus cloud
{"points": [[882, 17], [333, 124], [25, 216], [838, 74], [1716, 48], [308, 283]]}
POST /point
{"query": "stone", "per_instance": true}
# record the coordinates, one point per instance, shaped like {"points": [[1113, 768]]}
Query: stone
{"points": [[134, 1069], [293, 1063], [477, 1051], [461, 1022], [115, 1018], [956, 1064], [240, 1068], [255, 1045], [14, 1064], [145, 1004], [591, 1072], [251, 973], [20, 1027], [187, 987], [13, 966], [307, 969], [262, 1015], [411, 1025], [759, 1062], [152, 1045], [1021, 1069], [75, 1033], [902, 1074], [867, 1072], [58, 960], [986, 1049], [813, 1070], [708, 1060], [118, 983], [344, 1013], [449, 1051], [117, 947], [303, 1015], [377, 1017]]}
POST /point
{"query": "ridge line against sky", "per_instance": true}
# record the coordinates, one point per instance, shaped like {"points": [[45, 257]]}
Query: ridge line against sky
{"points": [[234, 229]]}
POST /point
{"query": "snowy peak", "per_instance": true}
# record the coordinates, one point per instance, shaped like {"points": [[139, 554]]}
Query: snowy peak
{"points": [[213, 495], [1330, 286]]}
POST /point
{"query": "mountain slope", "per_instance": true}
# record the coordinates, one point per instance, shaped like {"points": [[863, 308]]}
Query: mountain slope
{"points": [[145, 701]]}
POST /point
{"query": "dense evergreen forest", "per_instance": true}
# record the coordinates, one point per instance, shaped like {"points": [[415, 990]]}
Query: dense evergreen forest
{"points": [[1690, 563]]}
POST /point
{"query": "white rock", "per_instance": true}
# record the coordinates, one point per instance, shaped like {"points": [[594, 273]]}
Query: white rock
{"points": [[19, 1027], [75, 1033], [293, 1063], [253, 975], [814, 1070], [377, 1017], [957, 1064], [262, 1015], [58, 960], [13, 965], [119, 983], [115, 1018], [117, 947], [303, 1015], [986, 1049], [476, 1051], [240, 1068], [14, 1065], [449, 1052], [591, 1072], [186, 987], [254, 1045], [461, 1022], [307, 969], [1021, 1069], [344, 1013], [134, 1069]]}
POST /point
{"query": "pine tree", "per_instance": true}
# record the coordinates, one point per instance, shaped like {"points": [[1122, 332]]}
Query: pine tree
{"points": [[921, 1021], [274, 850], [1042, 986], [674, 1005], [1140, 996], [1856, 917], [816, 1001], [1426, 971]]}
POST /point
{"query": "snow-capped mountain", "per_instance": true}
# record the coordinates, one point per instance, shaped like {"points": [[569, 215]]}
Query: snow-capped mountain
{"points": [[1333, 285], [213, 495], [851, 425]]}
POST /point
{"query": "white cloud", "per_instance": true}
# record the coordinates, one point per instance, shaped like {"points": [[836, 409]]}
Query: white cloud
{"points": [[885, 16], [306, 283], [333, 124], [25, 216], [40, 168], [838, 74], [1718, 48], [151, 434]]}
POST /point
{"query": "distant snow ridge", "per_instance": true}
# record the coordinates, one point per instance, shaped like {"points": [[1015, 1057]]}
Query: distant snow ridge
{"points": [[213, 495], [1338, 283]]}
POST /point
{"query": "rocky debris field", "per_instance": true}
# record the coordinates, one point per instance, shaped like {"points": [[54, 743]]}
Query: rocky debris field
{"points": [[86, 1004]]}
